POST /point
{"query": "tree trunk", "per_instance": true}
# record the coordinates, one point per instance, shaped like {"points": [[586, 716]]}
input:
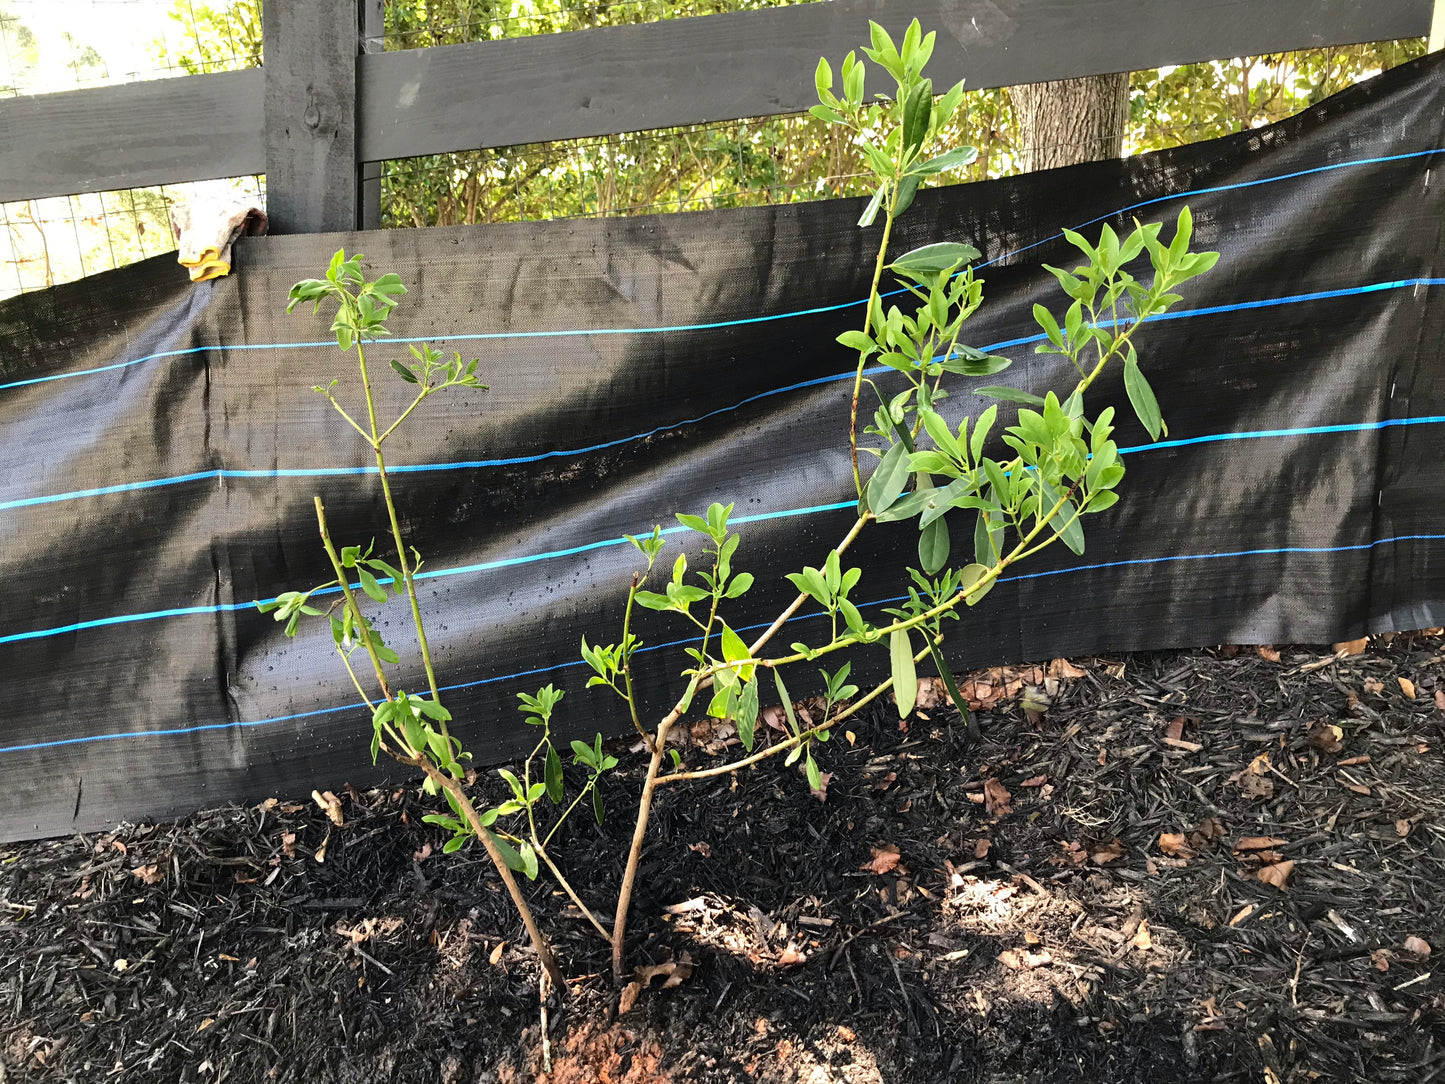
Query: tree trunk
{"points": [[1076, 120]]}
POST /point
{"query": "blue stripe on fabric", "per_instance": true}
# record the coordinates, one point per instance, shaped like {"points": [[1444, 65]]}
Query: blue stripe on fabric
{"points": [[726, 323], [478, 464], [508, 562], [248, 724], [1221, 188], [588, 547]]}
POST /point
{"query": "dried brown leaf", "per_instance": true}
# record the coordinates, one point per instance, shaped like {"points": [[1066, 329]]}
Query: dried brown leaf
{"points": [[790, 957], [496, 955], [1109, 852], [1073, 855], [1407, 687], [1175, 730], [820, 792], [288, 844], [1351, 647], [1418, 945], [1035, 781], [885, 859], [330, 805], [1326, 737], [1267, 652], [1063, 668], [150, 875], [997, 800], [628, 998], [1277, 874], [1176, 844], [1440, 699], [1258, 843], [1142, 939], [980, 849], [703, 848]]}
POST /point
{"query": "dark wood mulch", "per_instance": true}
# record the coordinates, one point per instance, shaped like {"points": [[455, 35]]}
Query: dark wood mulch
{"points": [[1076, 898]]}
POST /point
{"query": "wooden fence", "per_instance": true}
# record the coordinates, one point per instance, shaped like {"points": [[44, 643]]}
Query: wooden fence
{"points": [[329, 105]]}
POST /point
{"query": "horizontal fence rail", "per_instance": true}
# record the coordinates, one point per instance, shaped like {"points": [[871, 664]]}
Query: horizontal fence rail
{"points": [[759, 63], [590, 83]]}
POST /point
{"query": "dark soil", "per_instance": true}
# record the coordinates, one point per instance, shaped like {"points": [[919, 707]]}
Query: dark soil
{"points": [[1077, 897]]}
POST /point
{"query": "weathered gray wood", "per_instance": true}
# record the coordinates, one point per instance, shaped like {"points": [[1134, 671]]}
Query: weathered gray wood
{"points": [[192, 128], [373, 40], [722, 67], [310, 112]]}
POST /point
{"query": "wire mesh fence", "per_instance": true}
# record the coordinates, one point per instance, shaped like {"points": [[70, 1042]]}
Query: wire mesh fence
{"points": [[44, 242], [50, 45]]}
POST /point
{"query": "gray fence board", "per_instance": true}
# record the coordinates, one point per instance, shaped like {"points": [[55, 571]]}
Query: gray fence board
{"points": [[192, 128], [691, 71], [311, 178]]}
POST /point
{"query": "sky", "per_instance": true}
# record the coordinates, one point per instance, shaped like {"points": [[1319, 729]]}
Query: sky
{"points": [[125, 33]]}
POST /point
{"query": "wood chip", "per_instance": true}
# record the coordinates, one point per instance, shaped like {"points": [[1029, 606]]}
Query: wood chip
{"points": [[1407, 687]]}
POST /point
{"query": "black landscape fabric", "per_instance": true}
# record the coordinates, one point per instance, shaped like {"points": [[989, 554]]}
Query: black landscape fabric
{"points": [[160, 445]]}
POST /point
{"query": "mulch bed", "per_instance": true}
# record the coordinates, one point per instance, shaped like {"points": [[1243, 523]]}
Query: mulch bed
{"points": [[1204, 865]]}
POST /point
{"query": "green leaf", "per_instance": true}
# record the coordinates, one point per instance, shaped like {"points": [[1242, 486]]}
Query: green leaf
{"points": [[954, 159], [1045, 320], [934, 546], [1141, 397], [815, 777], [509, 854], [747, 716], [652, 600], [832, 116], [905, 677], [907, 189], [917, 114], [597, 802], [787, 700], [432, 710], [986, 365], [514, 783], [554, 775], [735, 650], [1010, 395], [858, 340], [970, 575], [871, 211], [949, 683], [529, 862], [696, 523], [940, 432], [1071, 535], [889, 480], [823, 79], [933, 260], [370, 586], [403, 372], [739, 585]]}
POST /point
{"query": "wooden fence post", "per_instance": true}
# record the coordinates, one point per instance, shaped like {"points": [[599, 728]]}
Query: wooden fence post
{"points": [[373, 37], [310, 106]]}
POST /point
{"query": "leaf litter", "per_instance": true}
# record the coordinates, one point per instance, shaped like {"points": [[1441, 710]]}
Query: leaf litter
{"points": [[1216, 897]]}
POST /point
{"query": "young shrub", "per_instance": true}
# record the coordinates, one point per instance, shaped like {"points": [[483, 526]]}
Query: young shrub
{"points": [[1027, 479]]}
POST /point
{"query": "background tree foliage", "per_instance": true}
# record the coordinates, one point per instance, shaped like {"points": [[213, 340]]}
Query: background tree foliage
{"points": [[770, 160], [741, 163]]}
